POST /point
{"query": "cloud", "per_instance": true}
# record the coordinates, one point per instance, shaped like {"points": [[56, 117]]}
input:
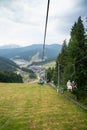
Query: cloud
{"points": [[22, 21], [25, 11]]}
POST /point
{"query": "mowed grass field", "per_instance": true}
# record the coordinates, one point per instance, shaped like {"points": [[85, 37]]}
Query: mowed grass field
{"points": [[36, 107]]}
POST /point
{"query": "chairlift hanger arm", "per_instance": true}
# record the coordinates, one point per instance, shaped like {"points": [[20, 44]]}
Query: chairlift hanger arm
{"points": [[45, 27]]}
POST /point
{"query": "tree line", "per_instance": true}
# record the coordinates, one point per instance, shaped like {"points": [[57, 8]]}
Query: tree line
{"points": [[72, 61], [10, 77]]}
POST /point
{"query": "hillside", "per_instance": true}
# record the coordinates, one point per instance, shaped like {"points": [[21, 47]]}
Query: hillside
{"points": [[32, 54], [36, 107], [7, 65]]}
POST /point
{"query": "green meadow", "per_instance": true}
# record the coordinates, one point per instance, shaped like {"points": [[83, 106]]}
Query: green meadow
{"points": [[36, 107]]}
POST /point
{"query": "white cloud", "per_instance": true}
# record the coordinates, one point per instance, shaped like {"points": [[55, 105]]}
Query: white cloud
{"points": [[22, 21]]}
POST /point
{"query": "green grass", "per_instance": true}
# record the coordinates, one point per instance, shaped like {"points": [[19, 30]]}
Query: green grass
{"points": [[36, 107], [50, 64], [83, 101], [70, 94]]}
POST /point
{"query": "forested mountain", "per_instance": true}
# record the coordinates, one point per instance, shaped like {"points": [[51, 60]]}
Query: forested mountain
{"points": [[7, 65], [26, 53], [10, 77], [7, 68]]}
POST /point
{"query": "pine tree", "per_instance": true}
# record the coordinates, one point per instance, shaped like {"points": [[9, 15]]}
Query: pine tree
{"points": [[77, 52], [61, 62], [73, 59]]}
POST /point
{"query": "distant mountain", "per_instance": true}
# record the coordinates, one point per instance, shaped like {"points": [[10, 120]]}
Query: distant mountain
{"points": [[7, 65], [9, 46], [32, 53]]}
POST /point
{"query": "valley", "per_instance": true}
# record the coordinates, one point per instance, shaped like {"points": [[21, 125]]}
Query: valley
{"points": [[23, 60]]}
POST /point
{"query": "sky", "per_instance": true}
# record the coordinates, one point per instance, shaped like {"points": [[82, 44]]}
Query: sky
{"points": [[22, 22]]}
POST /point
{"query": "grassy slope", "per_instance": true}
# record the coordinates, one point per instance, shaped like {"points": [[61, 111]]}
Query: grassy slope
{"points": [[35, 107], [50, 64]]}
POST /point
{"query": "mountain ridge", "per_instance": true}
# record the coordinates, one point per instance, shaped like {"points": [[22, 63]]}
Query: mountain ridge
{"points": [[7, 64], [26, 53]]}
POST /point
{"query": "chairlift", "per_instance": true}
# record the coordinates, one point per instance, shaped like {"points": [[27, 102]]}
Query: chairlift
{"points": [[42, 79]]}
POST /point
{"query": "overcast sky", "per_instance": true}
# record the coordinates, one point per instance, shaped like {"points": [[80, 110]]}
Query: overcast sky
{"points": [[22, 21]]}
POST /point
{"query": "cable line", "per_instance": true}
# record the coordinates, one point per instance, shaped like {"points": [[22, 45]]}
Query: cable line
{"points": [[45, 29]]}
